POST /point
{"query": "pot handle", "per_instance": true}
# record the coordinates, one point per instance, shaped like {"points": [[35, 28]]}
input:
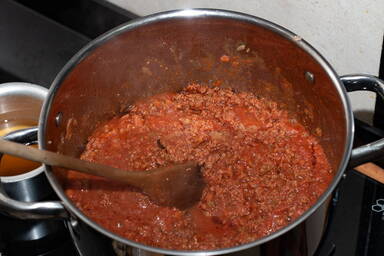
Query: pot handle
{"points": [[31, 210], [28, 210], [374, 150]]}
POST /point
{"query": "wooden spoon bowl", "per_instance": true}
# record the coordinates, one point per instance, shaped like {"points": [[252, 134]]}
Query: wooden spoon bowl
{"points": [[178, 185]]}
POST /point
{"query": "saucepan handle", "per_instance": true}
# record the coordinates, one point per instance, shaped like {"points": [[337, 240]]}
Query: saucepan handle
{"points": [[28, 210], [375, 150], [31, 210]]}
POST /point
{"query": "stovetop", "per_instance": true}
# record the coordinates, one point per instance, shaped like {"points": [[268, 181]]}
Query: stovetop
{"points": [[39, 37]]}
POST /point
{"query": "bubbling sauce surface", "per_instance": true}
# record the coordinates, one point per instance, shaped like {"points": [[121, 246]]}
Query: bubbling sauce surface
{"points": [[262, 169]]}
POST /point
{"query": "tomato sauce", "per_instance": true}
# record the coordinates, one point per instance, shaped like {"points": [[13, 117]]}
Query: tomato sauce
{"points": [[262, 169]]}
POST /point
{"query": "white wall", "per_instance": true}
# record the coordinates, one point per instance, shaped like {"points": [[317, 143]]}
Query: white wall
{"points": [[348, 33]]}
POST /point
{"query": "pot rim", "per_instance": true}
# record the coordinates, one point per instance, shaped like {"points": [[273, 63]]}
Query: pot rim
{"points": [[185, 14]]}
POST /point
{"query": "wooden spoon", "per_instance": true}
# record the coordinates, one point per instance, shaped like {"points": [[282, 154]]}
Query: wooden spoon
{"points": [[178, 185], [371, 170]]}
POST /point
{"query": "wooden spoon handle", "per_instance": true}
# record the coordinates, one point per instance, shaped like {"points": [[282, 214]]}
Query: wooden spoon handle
{"points": [[371, 170], [54, 159]]}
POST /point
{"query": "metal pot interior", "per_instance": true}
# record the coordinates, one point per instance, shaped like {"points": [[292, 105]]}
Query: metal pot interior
{"points": [[168, 51]]}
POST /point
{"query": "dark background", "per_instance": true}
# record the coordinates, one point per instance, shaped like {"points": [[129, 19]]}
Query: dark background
{"points": [[38, 37]]}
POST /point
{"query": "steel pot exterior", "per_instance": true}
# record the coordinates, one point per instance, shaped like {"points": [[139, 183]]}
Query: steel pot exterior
{"points": [[166, 51]]}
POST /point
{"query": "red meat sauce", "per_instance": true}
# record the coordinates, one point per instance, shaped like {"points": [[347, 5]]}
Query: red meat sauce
{"points": [[262, 169]]}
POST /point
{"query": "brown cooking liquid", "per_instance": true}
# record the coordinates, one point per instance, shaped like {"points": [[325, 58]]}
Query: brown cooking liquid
{"points": [[262, 169], [10, 165]]}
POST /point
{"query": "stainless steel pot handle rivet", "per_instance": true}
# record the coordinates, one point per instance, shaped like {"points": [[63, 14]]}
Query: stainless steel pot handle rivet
{"points": [[310, 77], [73, 222], [58, 119], [375, 150], [29, 210]]}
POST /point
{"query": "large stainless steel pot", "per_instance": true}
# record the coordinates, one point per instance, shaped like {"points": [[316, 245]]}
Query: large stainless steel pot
{"points": [[166, 51]]}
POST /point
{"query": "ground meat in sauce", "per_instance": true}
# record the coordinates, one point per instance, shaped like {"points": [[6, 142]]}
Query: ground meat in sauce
{"points": [[262, 169]]}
